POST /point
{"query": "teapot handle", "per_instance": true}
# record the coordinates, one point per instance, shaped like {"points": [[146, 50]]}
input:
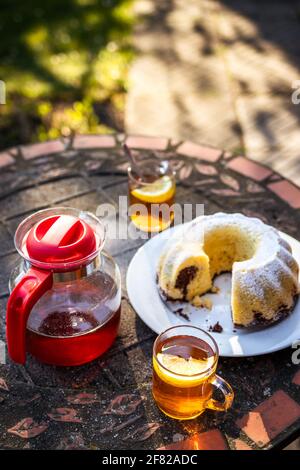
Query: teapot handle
{"points": [[22, 298]]}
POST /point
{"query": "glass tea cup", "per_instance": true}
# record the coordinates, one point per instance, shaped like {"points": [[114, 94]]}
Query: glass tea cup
{"points": [[185, 360], [151, 195]]}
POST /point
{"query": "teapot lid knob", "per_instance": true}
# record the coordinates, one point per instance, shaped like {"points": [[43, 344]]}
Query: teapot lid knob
{"points": [[60, 238]]}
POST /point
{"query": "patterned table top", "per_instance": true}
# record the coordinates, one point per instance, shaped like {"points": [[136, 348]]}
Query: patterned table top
{"points": [[107, 404]]}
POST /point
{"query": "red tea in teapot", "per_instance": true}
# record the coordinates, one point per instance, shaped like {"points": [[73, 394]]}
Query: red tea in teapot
{"points": [[75, 349], [79, 329]]}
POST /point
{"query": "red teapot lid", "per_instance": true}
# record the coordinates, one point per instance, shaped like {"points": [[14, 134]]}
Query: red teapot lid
{"points": [[60, 238]]}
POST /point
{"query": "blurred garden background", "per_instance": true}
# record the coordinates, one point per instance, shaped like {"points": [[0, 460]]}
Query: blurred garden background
{"points": [[65, 65], [217, 72]]}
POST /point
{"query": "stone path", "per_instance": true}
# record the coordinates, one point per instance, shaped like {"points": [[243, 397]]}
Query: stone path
{"points": [[220, 73]]}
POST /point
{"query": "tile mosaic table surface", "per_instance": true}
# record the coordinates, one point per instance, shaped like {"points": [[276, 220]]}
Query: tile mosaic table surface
{"points": [[108, 404]]}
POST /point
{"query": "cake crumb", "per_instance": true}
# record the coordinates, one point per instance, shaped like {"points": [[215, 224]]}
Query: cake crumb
{"points": [[216, 328], [202, 302], [182, 314], [215, 290]]}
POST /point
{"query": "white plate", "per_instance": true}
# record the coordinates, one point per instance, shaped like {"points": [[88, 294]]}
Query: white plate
{"points": [[232, 342]]}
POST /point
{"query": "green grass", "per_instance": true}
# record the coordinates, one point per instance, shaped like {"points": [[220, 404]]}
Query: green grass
{"points": [[65, 65]]}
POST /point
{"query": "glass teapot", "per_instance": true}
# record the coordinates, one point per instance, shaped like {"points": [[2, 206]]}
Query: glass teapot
{"points": [[64, 306]]}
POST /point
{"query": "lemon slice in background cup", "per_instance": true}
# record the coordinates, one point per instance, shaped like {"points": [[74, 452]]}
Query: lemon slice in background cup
{"points": [[151, 192], [157, 192]]}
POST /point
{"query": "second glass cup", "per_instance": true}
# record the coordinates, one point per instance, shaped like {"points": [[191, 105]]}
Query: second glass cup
{"points": [[151, 195], [185, 360]]}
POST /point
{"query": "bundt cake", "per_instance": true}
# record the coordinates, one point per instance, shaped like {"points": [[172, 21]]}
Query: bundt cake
{"points": [[264, 271]]}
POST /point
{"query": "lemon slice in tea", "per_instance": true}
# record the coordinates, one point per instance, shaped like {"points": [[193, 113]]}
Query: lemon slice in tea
{"points": [[157, 192], [188, 367]]}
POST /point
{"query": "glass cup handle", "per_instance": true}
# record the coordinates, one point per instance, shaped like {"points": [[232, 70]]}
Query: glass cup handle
{"points": [[227, 391]]}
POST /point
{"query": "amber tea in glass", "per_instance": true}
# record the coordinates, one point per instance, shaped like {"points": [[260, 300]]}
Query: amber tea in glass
{"points": [[185, 359], [151, 195]]}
